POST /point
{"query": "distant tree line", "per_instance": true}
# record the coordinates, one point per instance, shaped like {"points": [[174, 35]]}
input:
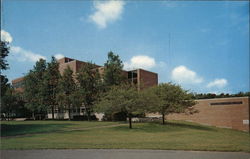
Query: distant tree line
{"points": [[222, 95]]}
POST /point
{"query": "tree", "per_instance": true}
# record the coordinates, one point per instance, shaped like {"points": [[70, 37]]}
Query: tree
{"points": [[12, 104], [51, 85], [113, 70], [89, 83], [9, 103], [121, 98], [33, 89], [67, 94], [4, 85], [4, 48], [3, 66], [171, 98]]}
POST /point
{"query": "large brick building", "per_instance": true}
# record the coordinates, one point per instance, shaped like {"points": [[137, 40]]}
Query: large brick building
{"points": [[140, 77]]}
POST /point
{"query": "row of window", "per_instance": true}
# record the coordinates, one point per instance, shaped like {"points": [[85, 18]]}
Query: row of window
{"points": [[226, 103]]}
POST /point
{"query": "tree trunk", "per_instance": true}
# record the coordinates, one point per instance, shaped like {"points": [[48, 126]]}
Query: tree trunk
{"points": [[69, 112], [163, 118], [130, 122], [33, 116], [87, 112], [53, 112]]}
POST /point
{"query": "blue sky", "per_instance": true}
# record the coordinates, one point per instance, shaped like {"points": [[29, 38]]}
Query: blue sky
{"points": [[203, 46]]}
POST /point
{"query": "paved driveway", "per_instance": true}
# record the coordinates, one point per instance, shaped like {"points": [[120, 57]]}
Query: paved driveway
{"points": [[119, 154]]}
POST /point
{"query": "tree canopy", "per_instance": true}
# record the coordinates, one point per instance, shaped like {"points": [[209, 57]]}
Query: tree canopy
{"points": [[4, 52], [51, 84], [113, 70], [89, 86], [170, 98], [33, 88], [121, 98], [67, 91]]}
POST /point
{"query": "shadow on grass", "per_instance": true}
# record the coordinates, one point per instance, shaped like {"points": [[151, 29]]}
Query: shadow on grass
{"points": [[25, 129], [190, 126], [154, 127]]}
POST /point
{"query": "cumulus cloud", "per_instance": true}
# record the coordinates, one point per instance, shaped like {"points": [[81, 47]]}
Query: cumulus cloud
{"points": [[182, 74], [219, 83], [140, 61], [59, 56], [106, 12], [24, 55], [5, 36]]}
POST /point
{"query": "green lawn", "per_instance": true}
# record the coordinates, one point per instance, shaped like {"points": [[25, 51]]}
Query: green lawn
{"points": [[77, 134]]}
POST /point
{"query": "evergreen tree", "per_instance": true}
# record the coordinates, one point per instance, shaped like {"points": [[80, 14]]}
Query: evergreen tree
{"points": [[67, 94], [4, 51], [33, 89], [4, 66], [51, 85], [89, 83], [113, 70]]}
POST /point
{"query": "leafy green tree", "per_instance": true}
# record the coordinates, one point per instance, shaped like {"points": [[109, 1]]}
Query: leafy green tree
{"points": [[89, 83], [4, 51], [9, 103], [171, 98], [12, 104], [113, 70], [50, 87], [33, 89], [123, 98], [67, 94]]}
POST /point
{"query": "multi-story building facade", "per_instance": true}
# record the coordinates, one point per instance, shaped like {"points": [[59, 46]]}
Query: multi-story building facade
{"points": [[142, 79]]}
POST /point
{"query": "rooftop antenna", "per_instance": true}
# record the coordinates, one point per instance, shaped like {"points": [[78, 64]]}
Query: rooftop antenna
{"points": [[169, 49]]}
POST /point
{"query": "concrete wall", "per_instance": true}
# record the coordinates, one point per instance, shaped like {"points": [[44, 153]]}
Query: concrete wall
{"points": [[235, 116]]}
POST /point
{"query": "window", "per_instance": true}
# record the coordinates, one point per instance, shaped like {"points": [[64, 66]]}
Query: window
{"points": [[132, 74]]}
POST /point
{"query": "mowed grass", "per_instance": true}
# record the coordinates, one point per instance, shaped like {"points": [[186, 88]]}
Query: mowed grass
{"points": [[174, 135], [13, 128]]}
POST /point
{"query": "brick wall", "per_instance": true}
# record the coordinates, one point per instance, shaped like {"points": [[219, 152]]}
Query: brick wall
{"points": [[146, 79], [226, 115]]}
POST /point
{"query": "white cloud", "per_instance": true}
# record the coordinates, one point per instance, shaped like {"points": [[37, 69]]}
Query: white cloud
{"points": [[182, 74], [59, 56], [140, 61], [24, 55], [220, 83], [106, 12], [5, 36]]}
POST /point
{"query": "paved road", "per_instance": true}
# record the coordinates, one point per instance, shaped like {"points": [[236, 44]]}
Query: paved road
{"points": [[119, 154]]}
